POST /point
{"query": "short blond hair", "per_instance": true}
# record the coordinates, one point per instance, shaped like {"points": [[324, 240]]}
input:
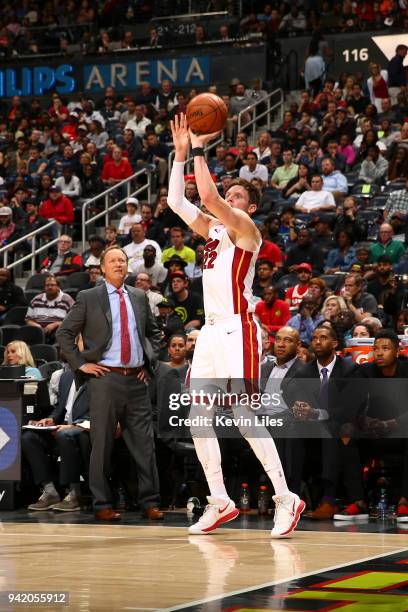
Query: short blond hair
{"points": [[23, 352]]}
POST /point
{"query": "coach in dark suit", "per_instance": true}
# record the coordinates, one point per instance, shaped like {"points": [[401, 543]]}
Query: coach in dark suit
{"points": [[318, 397], [121, 342]]}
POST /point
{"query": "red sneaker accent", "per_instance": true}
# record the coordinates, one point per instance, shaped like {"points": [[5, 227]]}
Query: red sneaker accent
{"points": [[296, 518], [402, 510], [224, 519], [352, 510]]}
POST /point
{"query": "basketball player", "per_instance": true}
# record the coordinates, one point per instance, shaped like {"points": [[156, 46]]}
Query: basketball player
{"points": [[229, 345]]}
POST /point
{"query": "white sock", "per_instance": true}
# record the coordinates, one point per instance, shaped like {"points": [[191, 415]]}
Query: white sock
{"points": [[209, 455], [49, 488], [265, 450]]}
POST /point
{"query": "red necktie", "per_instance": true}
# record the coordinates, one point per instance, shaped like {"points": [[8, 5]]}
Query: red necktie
{"points": [[124, 329]]}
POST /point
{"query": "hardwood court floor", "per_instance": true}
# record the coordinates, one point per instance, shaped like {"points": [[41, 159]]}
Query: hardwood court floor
{"points": [[126, 567]]}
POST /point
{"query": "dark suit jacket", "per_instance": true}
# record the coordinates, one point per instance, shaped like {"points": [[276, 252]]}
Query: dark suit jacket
{"points": [[80, 409], [305, 386], [266, 371], [91, 316]]}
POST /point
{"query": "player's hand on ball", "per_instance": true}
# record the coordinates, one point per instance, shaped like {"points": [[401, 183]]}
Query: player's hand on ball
{"points": [[180, 134], [200, 140]]}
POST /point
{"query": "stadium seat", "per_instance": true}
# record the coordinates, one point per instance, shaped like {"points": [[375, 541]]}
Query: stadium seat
{"points": [[333, 281], [72, 291], [8, 333], [2, 349], [289, 280], [44, 351], [30, 334], [130, 280], [36, 281], [29, 294], [367, 191], [49, 368], [77, 280], [395, 186], [15, 316]]}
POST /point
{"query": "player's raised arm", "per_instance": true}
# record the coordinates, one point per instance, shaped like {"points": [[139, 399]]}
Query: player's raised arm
{"points": [[237, 220], [197, 220]]}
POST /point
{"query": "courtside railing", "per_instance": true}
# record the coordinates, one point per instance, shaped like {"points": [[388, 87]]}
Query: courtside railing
{"points": [[108, 206], [274, 103], [32, 237]]}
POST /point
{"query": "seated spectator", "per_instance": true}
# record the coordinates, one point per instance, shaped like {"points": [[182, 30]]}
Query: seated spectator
{"points": [[111, 234], [294, 295], [304, 251], [64, 261], [195, 270], [216, 164], [154, 269], [317, 199], [332, 306], [374, 167], [349, 220], [343, 257], [177, 236], [32, 220], [92, 256], [398, 166], [177, 350], [299, 184], [139, 123], [48, 310], [323, 235], [97, 135], [332, 152], [69, 184], [95, 276], [156, 153], [188, 305], [144, 283], [307, 121], [132, 147], [18, 353], [307, 319], [362, 330], [264, 277], [333, 180], [10, 294], [117, 170], [135, 249], [252, 169], [385, 245], [269, 250], [37, 165], [126, 222], [397, 201], [361, 303], [58, 207], [263, 149], [272, 313], [283, 174], [294, 21], [91, 184], [191, 193], [317, 290], [347, 151], [8, 229], [386, 288], [39, 446]]}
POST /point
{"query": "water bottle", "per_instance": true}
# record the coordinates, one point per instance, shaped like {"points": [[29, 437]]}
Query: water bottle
{"points": [[383, 505], [263, 501], [244, 504]]}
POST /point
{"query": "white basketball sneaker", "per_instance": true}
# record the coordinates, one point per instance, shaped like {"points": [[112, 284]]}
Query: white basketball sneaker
{"points": [[288, 509], [215, 514]]}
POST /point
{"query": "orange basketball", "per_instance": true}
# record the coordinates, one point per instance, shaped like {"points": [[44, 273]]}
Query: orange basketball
{"points": [[206, 113]]}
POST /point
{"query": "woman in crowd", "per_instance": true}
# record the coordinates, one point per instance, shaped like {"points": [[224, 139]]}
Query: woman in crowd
{"points": [[362, 330], [18, 353], [398, 167], [343, 257], [332, 306], [298, 184], [177, 351]]}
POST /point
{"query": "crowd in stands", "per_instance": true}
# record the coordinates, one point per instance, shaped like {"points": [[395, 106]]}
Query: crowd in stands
{"points": [[88, 26], [333, 214]]}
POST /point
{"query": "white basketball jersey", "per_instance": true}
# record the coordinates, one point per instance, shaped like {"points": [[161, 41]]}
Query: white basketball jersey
{"points": [[228, 274]]}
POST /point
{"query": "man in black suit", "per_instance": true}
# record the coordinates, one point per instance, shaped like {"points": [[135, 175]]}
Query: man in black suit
{"points": [[381, 397], [38, 447], [121, 343], [317, 396]]}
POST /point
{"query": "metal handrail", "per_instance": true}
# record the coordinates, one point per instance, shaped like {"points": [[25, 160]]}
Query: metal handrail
{"points": [[34, 251], [109, 209], [255, 117], [105, 195]]}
